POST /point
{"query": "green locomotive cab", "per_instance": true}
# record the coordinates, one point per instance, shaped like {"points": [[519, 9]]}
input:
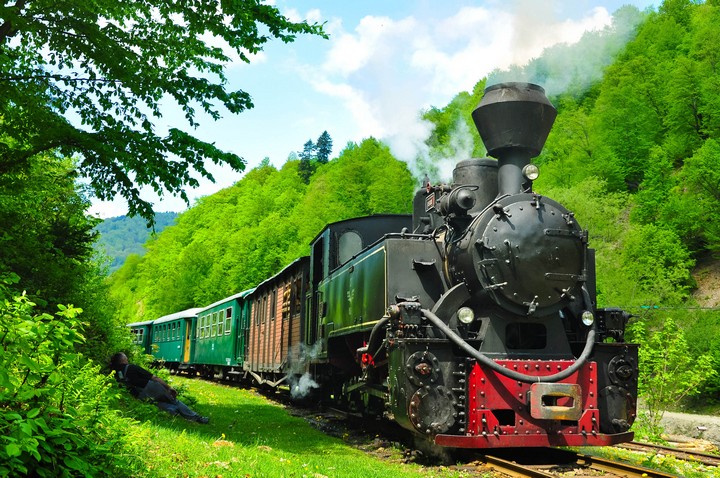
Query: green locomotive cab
{"points": [[220, 336], [171, 339], [359, 267]]}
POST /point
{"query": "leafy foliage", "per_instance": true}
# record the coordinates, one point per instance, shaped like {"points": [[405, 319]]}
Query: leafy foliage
{"points": [[46, 238], [111, 66], [313, 155], [668, 372], [55, 406]]}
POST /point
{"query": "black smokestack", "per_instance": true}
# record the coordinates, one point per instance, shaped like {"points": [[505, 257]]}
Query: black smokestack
{"points": [[514, 120]]}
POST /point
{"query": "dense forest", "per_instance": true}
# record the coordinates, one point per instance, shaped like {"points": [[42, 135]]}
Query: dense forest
{"points": [[118, 237], [82, 85], [634, 153]]}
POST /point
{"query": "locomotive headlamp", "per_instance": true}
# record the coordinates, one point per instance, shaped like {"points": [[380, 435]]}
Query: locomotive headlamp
{"points": [[531, 172], [587, 318], [466, 315]]}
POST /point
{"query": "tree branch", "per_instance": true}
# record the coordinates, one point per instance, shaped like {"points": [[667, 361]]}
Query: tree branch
{"points": [[6, 29]]}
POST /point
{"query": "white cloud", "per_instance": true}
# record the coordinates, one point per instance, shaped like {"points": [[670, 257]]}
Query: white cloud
{"points": [[386, 70]]}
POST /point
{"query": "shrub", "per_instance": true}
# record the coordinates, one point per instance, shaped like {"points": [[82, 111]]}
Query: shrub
{"points": [[55, 405], [668, 372]]}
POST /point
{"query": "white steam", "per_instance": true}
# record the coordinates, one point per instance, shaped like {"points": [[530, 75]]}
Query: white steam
{"points": [[298, 377], [300, 387], [385, 71]]}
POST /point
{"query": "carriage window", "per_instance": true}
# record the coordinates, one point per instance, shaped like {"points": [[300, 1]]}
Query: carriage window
{"points": [[297, 298], [220, 323], [286, 302], [139, 333], [213, 331], [273, 304], [228, 320], [263, 311], [257, 312], [520, 335], [349, 244]]}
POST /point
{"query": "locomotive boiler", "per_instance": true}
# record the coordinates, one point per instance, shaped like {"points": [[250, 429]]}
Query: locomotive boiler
{"points": [[491, 336]]}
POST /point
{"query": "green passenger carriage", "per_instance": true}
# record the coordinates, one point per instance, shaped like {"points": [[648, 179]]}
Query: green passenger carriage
{"points": [[142, 334], [221, 335], [171, 339]]}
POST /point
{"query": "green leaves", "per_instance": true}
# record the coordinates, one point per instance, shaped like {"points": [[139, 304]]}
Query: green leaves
{"points": [[110, 66], [668, 372], [54, 413]]}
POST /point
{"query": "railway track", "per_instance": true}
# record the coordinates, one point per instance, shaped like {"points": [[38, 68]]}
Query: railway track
{"points": [[698, 457], [551, 462], [544, 462]]}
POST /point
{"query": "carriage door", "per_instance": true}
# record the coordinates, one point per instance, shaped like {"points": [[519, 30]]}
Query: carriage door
{"points": [[188, 336], [318, 263]]}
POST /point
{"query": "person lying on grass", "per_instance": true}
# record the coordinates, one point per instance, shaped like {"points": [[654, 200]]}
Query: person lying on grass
{"points": [[143, 384]]}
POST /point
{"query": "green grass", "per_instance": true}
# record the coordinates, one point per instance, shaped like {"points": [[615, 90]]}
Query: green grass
{"points": [[658, 461], [249, 436]]}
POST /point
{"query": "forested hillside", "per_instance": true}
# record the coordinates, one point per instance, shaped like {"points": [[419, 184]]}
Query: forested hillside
{"points": [[83, 87], [234, 239], [634, 154], [123, 235]]}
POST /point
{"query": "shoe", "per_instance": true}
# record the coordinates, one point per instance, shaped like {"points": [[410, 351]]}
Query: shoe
{"points": [[202, 420]]}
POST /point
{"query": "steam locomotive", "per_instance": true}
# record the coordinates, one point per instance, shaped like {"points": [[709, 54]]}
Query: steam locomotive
{"points": [[472, 323]]}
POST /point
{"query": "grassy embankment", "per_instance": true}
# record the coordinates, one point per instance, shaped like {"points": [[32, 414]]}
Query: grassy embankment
{"points": [[250, 436]]}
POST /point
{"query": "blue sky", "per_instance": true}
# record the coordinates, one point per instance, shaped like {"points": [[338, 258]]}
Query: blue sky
{"points": [[384, 62]]}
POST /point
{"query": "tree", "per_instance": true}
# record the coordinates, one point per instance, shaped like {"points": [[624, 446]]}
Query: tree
{"points": [[668, 371], [109, 66], [47, 239], [323, 147], [307, 161]]}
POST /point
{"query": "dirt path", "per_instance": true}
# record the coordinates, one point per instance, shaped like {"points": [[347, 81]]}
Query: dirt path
{"points": [[705, 427]]}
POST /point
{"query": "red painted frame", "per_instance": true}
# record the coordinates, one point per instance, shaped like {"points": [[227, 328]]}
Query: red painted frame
{"points": [[499, 410]]}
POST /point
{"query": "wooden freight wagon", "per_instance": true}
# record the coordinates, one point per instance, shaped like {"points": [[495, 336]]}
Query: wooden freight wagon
{"points": [[276, 346]]}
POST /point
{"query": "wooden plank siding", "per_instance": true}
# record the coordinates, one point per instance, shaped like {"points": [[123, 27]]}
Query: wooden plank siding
{"points": [[275, 330]]}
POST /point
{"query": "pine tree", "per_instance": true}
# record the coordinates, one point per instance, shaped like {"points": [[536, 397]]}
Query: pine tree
{"points": [[323, 147], [307, 161]]}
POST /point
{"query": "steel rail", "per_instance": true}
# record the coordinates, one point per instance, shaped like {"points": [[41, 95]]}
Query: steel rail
{"points": [[681, 453], [514, 469], [615, 467]]}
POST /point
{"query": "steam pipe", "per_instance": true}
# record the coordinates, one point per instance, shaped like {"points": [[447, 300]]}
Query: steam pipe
{"points": [[484, 360], [510, 177]]}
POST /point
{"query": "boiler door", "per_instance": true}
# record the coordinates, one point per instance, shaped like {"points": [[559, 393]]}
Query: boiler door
{"points": [[529, 252]]}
